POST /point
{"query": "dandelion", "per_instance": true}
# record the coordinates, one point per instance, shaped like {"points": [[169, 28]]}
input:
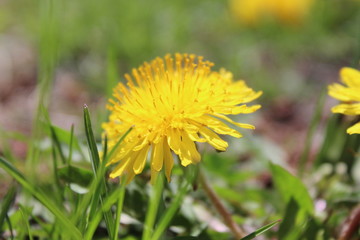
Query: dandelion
{"points": [[171, 104], [349, 95], [248, 12], [252, 12], [291, 12]]}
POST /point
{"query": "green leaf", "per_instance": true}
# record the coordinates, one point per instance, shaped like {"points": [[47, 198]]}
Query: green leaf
{"points": [[260, 231], [289, 221], [290, 186], [67, 225], [7, 202], [72, 174], [298, 201]]}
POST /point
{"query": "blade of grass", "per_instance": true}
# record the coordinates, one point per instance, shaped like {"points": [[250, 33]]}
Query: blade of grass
{"points": [[101, 190], [65, 137], [94, 153], [260, 231], [107, 204], [56, 176], [7, 202], [56, 147], [70, 148], [315, 121], [42, 198], [332, 140], [105, 148], [153, 207], [10, 226], [25, 217], [48, 51], [82, 206], [57, 143], [84, 203]]}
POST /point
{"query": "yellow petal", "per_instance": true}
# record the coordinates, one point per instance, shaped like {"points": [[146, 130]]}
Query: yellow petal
{"points": [[213, 139], [242, 125], [140, 159], [219, 127], [348, 109], [174, 140], [141, 145], [157, 156], [168, 161], [122, 153], [195, 137], [343, 93], [350, 77], [189, 153], [354, 129], [243, 109], [119, 169]]}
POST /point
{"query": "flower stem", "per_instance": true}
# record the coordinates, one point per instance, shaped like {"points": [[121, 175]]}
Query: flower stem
{"points": [[235, 229], [119, 207], [153, 207], [173, 208], [351, 225]]}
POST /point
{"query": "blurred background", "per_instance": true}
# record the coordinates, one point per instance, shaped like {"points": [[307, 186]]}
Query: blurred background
{"points": [[65, 54], [60, 55]]}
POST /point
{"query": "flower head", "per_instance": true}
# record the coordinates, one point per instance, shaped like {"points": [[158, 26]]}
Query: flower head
{"points": [[251, 12], [171, 104], [349, 95]]}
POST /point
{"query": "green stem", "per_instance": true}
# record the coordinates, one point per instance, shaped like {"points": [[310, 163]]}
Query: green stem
{"points": [[153, 207], [170, 212], [119, 208], [235, 229]]}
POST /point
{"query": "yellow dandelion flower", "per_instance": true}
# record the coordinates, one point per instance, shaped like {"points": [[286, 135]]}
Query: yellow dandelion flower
{"points": [[171, 104], [349, 95], [248, 12], [252, 12], [290, 11]]}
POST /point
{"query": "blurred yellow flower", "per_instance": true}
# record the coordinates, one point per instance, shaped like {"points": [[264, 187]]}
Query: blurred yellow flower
{"points": [[290, 11], [249, 12], [171, 104], [349, 95], [252, 12]]}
